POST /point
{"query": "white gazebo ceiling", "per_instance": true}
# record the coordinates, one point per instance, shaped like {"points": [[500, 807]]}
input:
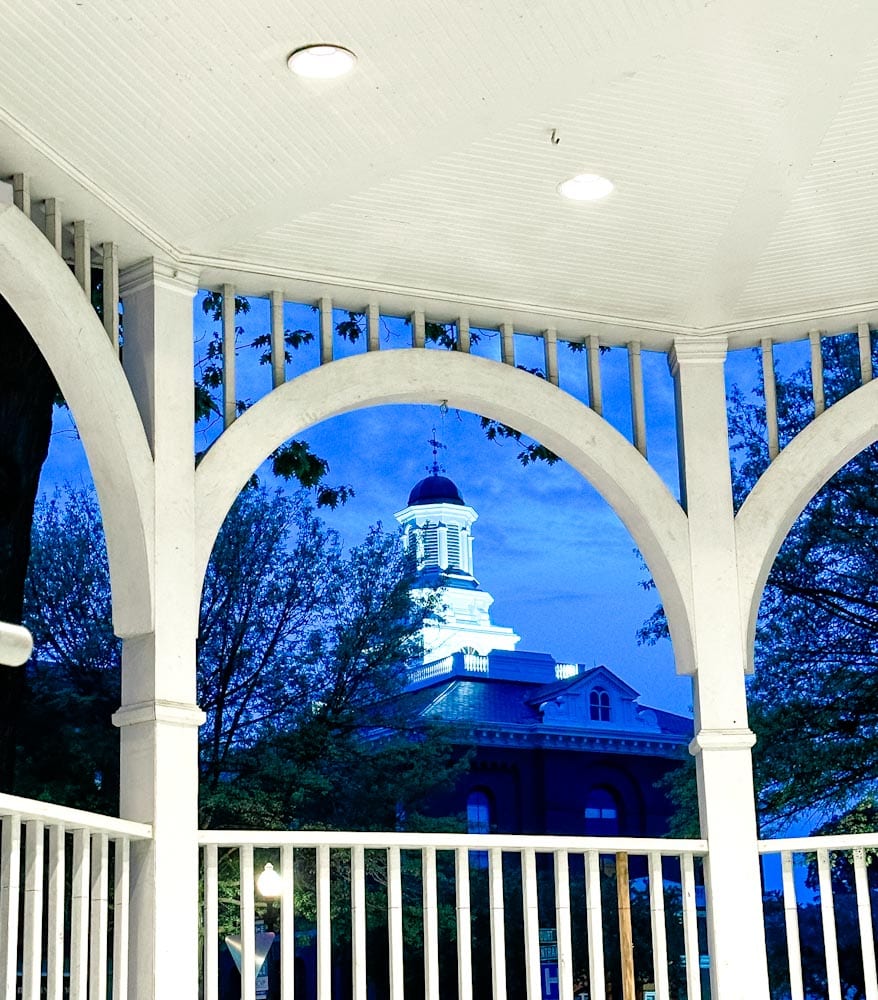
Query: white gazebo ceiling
{"points": [[742, 138]]}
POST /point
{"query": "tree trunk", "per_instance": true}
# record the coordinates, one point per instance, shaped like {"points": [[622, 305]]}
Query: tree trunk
{"points": [[27, 393]]}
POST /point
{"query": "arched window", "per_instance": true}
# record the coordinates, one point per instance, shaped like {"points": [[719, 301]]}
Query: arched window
{"points": [[478, 812], [601, 813], [478, 820], [599, 705]]}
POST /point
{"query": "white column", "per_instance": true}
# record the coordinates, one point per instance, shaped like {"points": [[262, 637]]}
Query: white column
{"points": [[723, 739], [159, 718], [442, 546]]}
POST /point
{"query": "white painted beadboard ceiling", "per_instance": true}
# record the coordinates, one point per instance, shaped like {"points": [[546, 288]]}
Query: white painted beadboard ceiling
{"points": [[742, 137]]}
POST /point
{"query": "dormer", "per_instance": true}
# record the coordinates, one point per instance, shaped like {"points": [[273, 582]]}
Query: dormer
{"points": [[596, 699]]}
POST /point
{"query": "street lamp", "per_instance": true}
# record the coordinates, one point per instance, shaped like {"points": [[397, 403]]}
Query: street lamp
{"points": [[269, 884]]}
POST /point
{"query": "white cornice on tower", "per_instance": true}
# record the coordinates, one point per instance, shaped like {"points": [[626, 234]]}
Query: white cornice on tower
{"points": [[439, 524]]}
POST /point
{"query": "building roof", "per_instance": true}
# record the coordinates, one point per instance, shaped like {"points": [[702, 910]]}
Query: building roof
{"points": [[435, 489], [504, 698]]}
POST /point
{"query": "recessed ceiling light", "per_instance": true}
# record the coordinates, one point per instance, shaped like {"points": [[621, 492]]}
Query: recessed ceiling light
{"points": [[586, 187], [321, 62]]}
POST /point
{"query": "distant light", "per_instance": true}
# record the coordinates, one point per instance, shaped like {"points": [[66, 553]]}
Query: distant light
{"points": [[322, 62], [269, 884], [586, 187]]}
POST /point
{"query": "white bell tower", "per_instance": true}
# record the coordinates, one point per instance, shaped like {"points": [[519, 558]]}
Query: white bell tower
{"points": [[438, 522]]}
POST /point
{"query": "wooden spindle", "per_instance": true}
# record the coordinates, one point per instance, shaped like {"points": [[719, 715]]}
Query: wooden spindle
{"points": [[507, 344], [864, 339], [326, 331], [770, 389], [82, 255], [373, 327], [550, 348], [595, 394], [817, 373], [110, 293], [638, 404], [278, 341], [230, 397]]}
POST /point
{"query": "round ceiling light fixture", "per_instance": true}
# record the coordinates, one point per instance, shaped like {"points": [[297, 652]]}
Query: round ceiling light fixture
{"points": [[586, 187], [322, 62]]}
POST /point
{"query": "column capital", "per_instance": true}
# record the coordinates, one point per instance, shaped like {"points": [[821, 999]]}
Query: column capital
{"points": [[697, 350], [165, 274], [722, 739], [175, 713]]}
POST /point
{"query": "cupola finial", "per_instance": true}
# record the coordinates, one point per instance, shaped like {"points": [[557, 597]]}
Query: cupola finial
{"points": [[436, 444]]}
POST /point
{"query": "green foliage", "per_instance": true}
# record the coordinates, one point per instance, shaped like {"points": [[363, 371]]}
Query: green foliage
{"points": [[531, 451], [293, 461], [813, 699], [302, 648], [814, 696], [72, 686]]}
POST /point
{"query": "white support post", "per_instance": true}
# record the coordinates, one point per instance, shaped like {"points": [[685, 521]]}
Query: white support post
{"points": [[394, 924], [230, 394], [507, 344], [358, 926], [31, 965], [10, 887], [430, 896], [278, 347], [723, 739], [563, 924], [817, 373], [82, 255], [497, 923], [550, 346], [53, 223], [55, 916], [595, 396], [159, 718], [121, 930], [864, 339], [99, 917], [463, 924], [638, 405], [770, 389], [530, 904], [110, 293]]}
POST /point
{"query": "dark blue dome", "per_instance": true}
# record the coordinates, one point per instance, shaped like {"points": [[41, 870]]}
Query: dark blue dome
{"points": [[435, 489]]}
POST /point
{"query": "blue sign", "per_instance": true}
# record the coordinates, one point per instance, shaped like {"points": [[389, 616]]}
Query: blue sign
{"points": [[549, 981]]}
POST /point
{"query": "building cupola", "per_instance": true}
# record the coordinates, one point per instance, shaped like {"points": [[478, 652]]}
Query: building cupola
{"points": [[437, 527]]}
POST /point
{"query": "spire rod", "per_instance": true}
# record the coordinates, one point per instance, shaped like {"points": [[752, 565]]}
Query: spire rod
{"points": [[436, 444]]}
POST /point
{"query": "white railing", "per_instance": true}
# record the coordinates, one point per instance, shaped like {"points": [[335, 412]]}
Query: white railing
{"points": [[63, 902], [475, 663], [443, 914], [825, 887], [430, 670]]}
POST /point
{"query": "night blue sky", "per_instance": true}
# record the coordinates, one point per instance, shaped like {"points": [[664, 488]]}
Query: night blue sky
{"points": [[562, 569]]}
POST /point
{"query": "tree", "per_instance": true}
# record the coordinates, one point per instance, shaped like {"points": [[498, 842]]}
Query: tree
{"points": [[813, 698], [28, 392], [301, 649], [73, 681]]}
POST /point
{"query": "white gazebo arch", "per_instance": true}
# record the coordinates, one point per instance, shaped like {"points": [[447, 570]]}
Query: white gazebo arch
{"points": [[41, 289], [788, 484], [588, 443]]}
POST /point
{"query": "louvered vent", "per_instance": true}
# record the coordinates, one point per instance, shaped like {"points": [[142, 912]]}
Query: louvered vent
{"points": [[453, 546], [431, 545]]}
